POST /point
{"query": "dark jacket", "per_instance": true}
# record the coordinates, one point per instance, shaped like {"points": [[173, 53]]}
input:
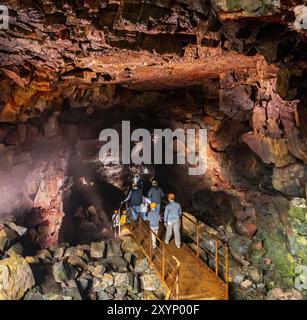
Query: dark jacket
{"points": [[135, 197], [155, 194]]}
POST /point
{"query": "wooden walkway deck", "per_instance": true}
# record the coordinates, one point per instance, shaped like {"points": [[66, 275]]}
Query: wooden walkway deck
{"points": [[196, 279], [184, 274]]}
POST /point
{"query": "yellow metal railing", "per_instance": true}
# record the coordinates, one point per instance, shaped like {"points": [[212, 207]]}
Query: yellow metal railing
{"points": [[166, 265], [211, 247]]}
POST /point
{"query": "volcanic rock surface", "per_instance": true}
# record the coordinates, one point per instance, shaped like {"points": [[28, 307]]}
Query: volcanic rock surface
{"points": [[69, 69]]}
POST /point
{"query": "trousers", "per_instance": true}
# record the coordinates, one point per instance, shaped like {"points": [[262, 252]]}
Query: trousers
{"points": [[170, 228]]}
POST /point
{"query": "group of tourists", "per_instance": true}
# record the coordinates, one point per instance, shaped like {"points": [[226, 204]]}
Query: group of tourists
{"points": [[148, 208]]}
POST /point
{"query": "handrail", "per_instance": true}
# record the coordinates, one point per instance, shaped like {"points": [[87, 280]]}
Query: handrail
{"points": [[217, 251], [161, 259], [170, 278], [214, 254]]}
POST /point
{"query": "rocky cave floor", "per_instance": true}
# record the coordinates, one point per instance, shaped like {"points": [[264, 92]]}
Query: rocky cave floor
{"points": [[69, 69]]}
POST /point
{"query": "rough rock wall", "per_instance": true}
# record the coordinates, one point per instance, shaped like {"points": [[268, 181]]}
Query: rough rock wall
{"points": [[62, 63]]}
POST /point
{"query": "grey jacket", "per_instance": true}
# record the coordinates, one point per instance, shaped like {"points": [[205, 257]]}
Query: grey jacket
{"points": [[172, 212], [153, 217], [155, 194]]}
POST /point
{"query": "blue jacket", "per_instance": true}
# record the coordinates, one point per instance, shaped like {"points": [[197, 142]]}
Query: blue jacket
{"points": [[155, 194], [172, 212], [153, 217], [135, 197]]}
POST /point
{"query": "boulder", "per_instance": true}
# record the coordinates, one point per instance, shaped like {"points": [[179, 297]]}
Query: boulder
{"points": [[84, 247], [150, 295], [60, 272], [141, 265], [56, 296], [150, 282], [246, 284], [239, 248], [73, 251], [72, 290], [122, 279], [15, 278], [235, 275], [102, 295], [110, 290], [121, 291], [43, 255], [108, 279], [18, 229], [32, 260], [83, 284], [98, 285], [114, 248], [59, 253], [7, 237], [33, 294], [97, 271], [15, 250], [54, 248], [246, 227], [280, 294], [130, 246], [120, 297], [254, 273], [77, 262], [116, 263], [128, 257], [290, 180], [97, 249]]}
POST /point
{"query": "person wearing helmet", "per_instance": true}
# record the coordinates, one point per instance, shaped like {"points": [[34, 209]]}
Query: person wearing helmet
{"points": [[156, 194], [172, 217], [134, 198], [123, 218], [153, 218], [115, 219]]}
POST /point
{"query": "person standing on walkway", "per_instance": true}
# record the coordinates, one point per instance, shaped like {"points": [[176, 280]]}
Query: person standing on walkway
{"points": [[153, 218], [134, 199], [144, 207], [156, 194], [172, 220]]}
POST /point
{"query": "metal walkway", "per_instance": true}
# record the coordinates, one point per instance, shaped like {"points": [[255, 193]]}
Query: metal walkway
{"points": [[183, 271]]}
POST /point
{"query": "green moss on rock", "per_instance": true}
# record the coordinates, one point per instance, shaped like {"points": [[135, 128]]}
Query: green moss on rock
{"points": [[284, 264], [298, 210], [250, 8]]}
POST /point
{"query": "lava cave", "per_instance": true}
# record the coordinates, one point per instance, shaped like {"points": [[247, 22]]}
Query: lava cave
{"points": [[70, 69]]}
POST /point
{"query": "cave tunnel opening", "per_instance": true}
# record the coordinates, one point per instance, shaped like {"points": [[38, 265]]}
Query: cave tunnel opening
{"points": [[84, 192]]}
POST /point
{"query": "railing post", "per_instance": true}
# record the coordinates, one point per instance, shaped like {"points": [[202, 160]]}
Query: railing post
{"points": [[150, 245], [197, 240], [177, 285], [163, 263], [216, 258], [226, 264]]}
